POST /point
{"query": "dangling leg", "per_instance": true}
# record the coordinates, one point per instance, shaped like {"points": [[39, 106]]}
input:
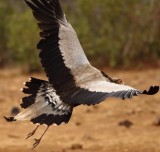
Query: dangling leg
{"points": [[37, 141], [32, 133]]}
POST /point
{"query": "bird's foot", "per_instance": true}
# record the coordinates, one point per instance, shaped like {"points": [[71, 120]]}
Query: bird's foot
{"points": [[31, 134], [36, 143]]}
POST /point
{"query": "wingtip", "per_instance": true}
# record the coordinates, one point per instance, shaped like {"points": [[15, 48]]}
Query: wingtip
{"points": [[153, 90]]}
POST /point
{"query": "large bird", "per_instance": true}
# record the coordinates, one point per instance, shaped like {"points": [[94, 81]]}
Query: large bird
{"points": [[72, 80]]}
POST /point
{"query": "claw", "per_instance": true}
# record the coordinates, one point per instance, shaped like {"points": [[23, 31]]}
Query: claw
{"points": [[32, 133], [36, 143]]}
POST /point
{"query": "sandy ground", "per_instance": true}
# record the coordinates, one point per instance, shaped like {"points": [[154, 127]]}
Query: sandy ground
{"points": [[91, 129]]}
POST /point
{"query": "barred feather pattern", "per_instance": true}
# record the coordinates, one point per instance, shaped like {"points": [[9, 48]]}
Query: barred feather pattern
{"points": [[43, 105]]}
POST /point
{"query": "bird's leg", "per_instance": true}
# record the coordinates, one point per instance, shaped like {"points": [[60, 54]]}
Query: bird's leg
{"points": [[37, 141], [32, 133]]}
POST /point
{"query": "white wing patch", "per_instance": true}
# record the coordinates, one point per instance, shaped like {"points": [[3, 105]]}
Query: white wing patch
{"points": [[71, 48], [85, 76], [104, 86]]}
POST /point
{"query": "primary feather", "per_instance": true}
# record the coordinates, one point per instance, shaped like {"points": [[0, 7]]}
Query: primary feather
{"points": [[72, 79], [65, 63]]}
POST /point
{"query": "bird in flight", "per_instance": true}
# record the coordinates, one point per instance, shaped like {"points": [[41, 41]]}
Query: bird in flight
{"points": [[72, 80]]}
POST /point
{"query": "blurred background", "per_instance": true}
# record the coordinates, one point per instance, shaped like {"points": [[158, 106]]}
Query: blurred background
{"points": [[122, 37], [113, 33]]}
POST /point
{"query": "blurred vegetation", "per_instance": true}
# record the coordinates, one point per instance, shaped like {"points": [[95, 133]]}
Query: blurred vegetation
{"points": [[112, 32]]}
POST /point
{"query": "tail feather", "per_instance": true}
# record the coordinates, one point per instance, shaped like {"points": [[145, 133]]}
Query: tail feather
{"points": [[9, 119], [32, 88], [43, 105]]}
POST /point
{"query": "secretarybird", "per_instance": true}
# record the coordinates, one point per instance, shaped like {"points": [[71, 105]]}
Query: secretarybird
{"points": [[72, 79]]}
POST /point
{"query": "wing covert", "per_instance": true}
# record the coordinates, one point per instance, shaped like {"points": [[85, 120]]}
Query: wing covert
{"points": [[65, 63], [60, 50]]}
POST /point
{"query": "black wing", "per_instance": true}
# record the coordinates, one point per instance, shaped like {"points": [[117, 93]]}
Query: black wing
{"points": [[65, 63]]}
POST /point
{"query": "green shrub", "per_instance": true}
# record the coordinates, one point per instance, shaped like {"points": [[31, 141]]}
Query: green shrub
{"points": [[112, 32]]}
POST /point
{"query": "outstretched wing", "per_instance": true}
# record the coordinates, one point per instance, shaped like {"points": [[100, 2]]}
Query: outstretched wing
{"points": [[60, 48], [65, 63], [95, 92]]}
